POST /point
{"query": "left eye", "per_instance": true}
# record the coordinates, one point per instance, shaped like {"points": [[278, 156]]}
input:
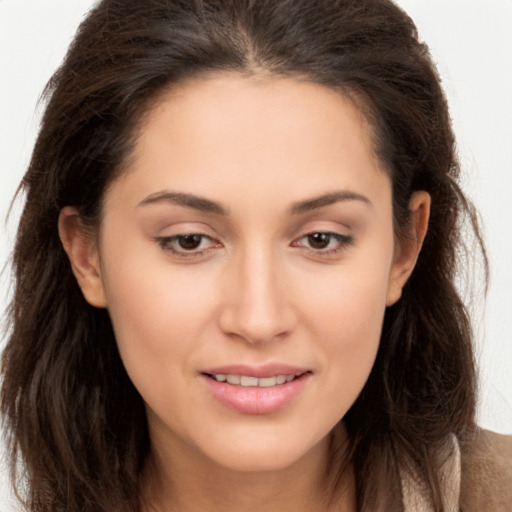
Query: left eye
{"points": [[324, 241]]}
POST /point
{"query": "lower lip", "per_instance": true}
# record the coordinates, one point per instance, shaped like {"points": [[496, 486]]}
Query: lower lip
{"points": [[254, 399]]}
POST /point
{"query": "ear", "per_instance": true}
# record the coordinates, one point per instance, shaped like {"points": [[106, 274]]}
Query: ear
{"points": [[409, 249], [81, 248]]}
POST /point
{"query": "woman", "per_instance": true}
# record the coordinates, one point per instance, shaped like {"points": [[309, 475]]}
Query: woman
{"points": [[235, 270]]}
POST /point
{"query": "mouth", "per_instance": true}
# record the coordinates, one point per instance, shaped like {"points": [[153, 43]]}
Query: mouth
{"points": [[263, 390], [251, 381]]}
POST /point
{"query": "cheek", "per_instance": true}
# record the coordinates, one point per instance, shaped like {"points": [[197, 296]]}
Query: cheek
{"points": [[159, 320], [156, 311], [346, 321], [348, 301]]}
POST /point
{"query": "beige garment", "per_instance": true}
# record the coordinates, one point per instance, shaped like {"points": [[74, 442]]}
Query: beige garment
{"points": [[413, 490]]}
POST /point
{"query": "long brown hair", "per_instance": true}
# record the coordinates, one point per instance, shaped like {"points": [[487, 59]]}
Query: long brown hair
{"points": [[71, 414]]}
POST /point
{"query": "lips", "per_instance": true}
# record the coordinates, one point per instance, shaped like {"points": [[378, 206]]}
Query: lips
{"points": [[256, 390]]}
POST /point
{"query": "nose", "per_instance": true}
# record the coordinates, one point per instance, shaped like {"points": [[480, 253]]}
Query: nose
{"points": [[257, 304]]}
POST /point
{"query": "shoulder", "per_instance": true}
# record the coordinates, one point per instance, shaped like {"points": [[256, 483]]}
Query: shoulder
{"points": [[486, 463]]}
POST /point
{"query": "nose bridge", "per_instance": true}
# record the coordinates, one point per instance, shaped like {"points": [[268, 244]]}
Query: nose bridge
{"points": [[257, 308]]}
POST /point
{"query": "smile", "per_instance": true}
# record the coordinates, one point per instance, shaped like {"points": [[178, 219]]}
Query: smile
{"points": [[263, 392], [249, 381]]}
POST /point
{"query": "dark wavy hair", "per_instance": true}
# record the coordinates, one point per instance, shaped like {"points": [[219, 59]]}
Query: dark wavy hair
{"points": [[71, 415]]}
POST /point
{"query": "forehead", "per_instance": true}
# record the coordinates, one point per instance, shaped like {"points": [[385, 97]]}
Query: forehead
{"points": [[262, 105], [254, 134]]}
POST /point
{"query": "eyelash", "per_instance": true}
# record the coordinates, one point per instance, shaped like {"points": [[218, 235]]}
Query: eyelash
{"points": [[165, 242], [343, 242]]}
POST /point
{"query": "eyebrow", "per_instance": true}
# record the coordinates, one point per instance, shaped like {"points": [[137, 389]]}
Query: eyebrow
{"points": [[187, 200], [327, 199], [207, 205]]}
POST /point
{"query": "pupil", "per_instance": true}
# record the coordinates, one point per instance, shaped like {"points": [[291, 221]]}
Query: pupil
{"points": [[190, 241], [319, 240]]}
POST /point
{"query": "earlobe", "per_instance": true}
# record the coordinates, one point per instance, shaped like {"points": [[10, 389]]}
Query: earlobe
{"points": [[82, 252], [407, 253]]}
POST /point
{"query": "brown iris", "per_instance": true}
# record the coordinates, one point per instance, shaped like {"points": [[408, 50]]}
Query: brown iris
{"points": [[190, 242], [319, 240]]}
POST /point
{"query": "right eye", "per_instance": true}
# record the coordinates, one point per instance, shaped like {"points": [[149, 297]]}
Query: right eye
{"points": [[187, 245]]}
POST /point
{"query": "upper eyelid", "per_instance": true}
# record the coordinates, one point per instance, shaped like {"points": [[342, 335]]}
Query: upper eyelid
{"points": [[184, 229], [310, 224]]}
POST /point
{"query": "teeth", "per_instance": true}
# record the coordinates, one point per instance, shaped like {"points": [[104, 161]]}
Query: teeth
{"points": [[248, 381], [233, 379], [245, 380], [267, 382]]}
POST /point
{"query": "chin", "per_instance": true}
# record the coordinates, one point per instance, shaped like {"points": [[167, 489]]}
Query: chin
{"points": [[262, 464], [261, 454]]}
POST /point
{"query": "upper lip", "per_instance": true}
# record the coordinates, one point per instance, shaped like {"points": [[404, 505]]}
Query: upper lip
{"points": [[261, 371]]}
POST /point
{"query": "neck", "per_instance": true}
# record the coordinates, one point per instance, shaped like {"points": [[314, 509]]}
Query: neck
{"points": [[187, 482]]}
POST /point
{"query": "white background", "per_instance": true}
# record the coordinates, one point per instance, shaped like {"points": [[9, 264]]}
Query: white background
{"points": [[471, 41]]}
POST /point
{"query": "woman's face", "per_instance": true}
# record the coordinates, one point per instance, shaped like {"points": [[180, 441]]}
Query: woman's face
{"points": [[246, 258]]}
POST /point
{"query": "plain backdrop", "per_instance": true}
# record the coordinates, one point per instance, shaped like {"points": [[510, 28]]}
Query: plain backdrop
{"points": [[471, 42]]}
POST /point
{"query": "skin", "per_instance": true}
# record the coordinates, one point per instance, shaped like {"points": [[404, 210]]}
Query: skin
{"points": [[257, 290]]}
